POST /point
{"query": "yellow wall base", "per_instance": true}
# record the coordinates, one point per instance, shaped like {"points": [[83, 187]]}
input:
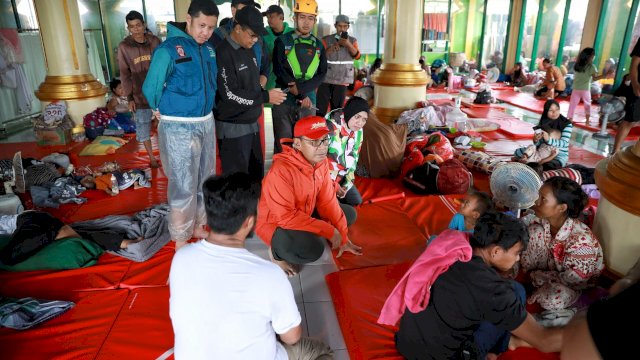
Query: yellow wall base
{"points": [[617, 231]]}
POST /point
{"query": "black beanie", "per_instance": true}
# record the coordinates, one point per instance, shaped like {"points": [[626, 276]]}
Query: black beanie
{"points": [[355, 105]]}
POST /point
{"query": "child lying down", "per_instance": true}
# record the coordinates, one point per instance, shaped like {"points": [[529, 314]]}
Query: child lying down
{"points": [[113, 182]]}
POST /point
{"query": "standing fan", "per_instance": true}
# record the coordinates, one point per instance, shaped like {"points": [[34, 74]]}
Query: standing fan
{"points": [[611, 110], [515, 186]]}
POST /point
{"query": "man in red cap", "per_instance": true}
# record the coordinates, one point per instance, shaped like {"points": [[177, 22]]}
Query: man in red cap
{"points": [[298, 208]]}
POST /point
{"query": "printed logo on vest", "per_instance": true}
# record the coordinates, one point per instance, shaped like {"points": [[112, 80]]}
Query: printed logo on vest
{"points": [[180, 51], [211, 52]]}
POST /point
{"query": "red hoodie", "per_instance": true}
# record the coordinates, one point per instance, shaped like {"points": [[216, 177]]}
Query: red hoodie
{"points": [[291, 190]]}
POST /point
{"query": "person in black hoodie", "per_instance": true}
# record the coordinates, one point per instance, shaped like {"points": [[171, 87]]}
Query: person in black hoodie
{"points": [[240, 96]]}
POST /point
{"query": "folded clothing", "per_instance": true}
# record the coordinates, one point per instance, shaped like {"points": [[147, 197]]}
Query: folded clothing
{"points": [[25, 313]]}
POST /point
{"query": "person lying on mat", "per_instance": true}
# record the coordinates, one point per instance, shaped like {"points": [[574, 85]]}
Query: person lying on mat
{"points": [[474, 205], [227, 303], [344, 149], [563, 257], [589, 334], [552, 119], [454, 304], [553, 84], [33, 230], [298, 207]]}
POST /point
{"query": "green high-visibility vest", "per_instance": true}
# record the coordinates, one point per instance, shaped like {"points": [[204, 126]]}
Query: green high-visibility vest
{"points": [[292, 57]]}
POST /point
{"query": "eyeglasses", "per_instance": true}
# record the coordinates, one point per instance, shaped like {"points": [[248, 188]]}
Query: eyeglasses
{"points": [[318, 142], [250, 33]]}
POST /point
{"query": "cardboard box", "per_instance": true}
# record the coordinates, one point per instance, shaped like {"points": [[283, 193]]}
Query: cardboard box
{"points": [[53, 137]]}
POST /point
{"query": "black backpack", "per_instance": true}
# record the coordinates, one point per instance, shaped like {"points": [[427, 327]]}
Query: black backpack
{"points": [[483, 97]]}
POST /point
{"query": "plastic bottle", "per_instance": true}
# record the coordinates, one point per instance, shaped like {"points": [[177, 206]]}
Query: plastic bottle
{"points": [[456, 119]]}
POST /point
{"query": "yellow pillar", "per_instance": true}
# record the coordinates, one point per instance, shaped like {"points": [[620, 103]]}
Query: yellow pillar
{"points": [[181, 7], [510, 58], [400, 82], [68, 75], [618, 217], [591, 24]]}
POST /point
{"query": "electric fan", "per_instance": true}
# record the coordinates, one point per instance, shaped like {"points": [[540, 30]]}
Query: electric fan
{"points": [[493, 75], [515, 186], [10, 203], [18, 173], [611, 110]]}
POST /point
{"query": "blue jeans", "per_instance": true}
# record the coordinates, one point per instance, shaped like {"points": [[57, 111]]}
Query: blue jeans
{"points": [[490, 339]]}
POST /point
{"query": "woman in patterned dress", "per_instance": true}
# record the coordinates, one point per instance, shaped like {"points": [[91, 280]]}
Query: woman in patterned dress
{"points": [[563, 256]]}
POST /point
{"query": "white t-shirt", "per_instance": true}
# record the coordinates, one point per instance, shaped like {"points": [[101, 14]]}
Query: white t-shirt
{"points": [[227, 303]]}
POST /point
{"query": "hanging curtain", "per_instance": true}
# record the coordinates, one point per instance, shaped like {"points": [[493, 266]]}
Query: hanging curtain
{"points": [[95, 65]]}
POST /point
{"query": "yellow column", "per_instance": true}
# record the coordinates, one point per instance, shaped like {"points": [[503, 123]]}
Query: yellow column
{"points": [[181, 7], [68, 75], [400, 82], [618, 217]]}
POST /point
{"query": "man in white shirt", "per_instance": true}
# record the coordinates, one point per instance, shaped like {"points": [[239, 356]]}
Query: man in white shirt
{"points": [[227, 303]]}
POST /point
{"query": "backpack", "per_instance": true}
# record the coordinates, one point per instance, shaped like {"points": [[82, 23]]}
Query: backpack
{"points": [[483, 97], [450, 177]]}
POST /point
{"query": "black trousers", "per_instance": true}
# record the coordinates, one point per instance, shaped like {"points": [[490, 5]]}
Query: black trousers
{"points": [[330, 95], [302, 247], [285, 117], [243, 154]]}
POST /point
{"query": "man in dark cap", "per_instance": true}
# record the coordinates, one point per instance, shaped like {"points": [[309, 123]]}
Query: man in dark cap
{"points": [[240, 96]]}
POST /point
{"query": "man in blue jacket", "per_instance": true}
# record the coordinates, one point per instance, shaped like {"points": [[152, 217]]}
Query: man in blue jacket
{"points": [[181, 87]]}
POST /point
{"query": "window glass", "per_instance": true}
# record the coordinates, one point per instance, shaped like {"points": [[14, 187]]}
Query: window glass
{"points": [[7, 20], [550, 29], [159, 13], [612, 33], [495, 32], [115, 27], [530, 22], [435, 38], [364, 27], [573, 36], [626, 60], [27, 14], [90, 20], [466, 25]]}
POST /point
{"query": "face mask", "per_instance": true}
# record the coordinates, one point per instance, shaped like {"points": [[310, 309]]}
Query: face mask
{"points": [[628, 82]]}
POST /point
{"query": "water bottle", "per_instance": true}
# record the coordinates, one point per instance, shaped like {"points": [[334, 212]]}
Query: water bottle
{"points": [[456, 119]]}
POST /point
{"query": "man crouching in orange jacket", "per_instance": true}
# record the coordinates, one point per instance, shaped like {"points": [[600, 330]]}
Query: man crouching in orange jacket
{"points": [[298, 206]]}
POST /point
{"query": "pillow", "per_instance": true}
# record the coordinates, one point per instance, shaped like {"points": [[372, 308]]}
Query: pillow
{"points": [[478, 160], [70, 253], [569, 173], [103, 145]]}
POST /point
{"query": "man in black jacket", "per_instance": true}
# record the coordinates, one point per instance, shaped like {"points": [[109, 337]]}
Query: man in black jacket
{"points": [[240, 96]]}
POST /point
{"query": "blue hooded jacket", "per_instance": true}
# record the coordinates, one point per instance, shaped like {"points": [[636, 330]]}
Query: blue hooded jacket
{"points": [[182, 77]]}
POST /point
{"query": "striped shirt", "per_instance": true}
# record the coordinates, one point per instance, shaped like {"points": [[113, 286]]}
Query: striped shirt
{"points": [[562, 144]]}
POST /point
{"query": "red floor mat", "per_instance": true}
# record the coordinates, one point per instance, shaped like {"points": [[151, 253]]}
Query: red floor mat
{"points": [[358, 296], [106, 274], [371, 188], [584, 157], [486, 113], [431, 213], [142, 329], [522, 100], [386, 234], [77, 334], [153, 272]]}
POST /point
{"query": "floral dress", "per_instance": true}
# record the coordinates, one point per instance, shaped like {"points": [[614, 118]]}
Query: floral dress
{"points": [[561, 266]]}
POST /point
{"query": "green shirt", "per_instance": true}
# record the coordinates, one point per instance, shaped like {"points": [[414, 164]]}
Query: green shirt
{"points": [[582, 80]]}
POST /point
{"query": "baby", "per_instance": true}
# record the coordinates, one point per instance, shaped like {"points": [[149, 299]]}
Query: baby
{"points": [[541, 152], [474, 205], [112, 183]]}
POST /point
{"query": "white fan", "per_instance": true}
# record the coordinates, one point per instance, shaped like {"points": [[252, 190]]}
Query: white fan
{"points": [[612, 109], [18, 173], [515, 186], [493, 74]]}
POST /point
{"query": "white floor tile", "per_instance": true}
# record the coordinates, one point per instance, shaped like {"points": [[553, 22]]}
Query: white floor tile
{"points": [[323, 324], [303, 315], [314, 287], [340, 355]]}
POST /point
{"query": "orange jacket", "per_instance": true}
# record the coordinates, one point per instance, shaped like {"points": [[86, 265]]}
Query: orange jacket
{"points": [[291, 191]]}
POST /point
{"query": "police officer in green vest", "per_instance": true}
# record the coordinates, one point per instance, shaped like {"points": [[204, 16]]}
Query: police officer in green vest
{"points": [[300, 65]]}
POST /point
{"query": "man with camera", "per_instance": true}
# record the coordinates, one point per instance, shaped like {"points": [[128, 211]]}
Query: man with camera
{"points": [[341, 50]]}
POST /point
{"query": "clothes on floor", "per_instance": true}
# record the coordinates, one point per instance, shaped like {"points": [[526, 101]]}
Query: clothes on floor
{"points": [[303, 247], [464, 296], [151, 226], [25, 313], [8, 224], [258, 304], [291, 191], [64, 190], [561, 266]]}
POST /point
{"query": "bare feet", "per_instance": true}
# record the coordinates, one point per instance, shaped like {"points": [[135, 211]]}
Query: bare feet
{"points": [[66, 232], [515, 342], [288, 269], [200, 233], [154, 163], [126, 242]]}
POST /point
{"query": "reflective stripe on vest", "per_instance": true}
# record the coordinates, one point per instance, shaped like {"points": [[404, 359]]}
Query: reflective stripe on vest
{"points": [[292, 58], [340, 62]]}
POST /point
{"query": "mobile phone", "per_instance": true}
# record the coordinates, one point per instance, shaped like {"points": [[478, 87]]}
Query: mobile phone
{"points": [[344, 35], [285, 90]]}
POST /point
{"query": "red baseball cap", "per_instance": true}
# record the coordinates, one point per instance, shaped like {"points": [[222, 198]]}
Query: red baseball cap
{"points": [[312, 127]]}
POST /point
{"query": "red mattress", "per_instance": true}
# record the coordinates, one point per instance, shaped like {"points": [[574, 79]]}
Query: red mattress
{"points": [[522, 100], [151, 273], [358, 296], [142, 329], [105, 275], [370, 188], [77, 334], [387, 236], [431, 213]]}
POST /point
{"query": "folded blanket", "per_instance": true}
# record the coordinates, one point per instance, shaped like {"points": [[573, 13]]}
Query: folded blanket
{"points": [[25, 313], [152, 225]]}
